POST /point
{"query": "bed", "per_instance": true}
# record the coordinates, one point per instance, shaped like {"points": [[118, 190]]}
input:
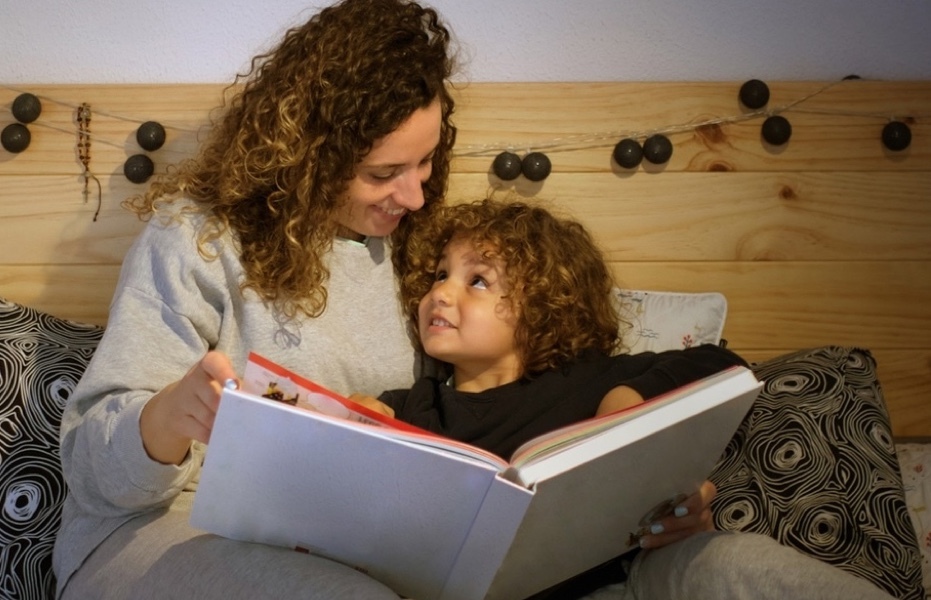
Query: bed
{"points": [[818, 245]]}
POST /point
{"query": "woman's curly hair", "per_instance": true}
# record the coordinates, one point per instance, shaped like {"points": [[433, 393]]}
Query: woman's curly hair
{"points": [[559, 284], [276, 164]]}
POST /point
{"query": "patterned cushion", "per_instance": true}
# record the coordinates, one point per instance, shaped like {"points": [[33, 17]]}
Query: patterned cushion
{"points": [[41, 360], [814, 466], [657, 321]]}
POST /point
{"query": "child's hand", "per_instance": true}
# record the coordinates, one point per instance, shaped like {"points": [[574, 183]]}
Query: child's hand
{"points": [[692, 516], [373, 404]]}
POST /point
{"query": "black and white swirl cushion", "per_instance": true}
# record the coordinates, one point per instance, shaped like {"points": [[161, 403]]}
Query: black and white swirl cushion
{"points": [[41, 360], [814, 466]]}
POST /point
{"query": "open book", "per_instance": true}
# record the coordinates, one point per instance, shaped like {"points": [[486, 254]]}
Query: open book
{"points": [[434, 518]]}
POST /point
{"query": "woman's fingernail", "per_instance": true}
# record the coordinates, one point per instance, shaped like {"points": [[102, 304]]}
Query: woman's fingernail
{"points": [[657, 528], [681, 511]]}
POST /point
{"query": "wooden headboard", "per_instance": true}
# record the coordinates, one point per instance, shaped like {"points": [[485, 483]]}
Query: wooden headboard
{"points": [[823, 240]]}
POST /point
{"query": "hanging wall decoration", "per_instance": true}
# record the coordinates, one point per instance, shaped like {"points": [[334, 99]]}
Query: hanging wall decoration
{"points": [[83, 119]]}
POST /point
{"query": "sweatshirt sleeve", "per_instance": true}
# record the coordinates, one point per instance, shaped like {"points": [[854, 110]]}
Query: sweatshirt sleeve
{"points": [[652, 374], [154, 334]]}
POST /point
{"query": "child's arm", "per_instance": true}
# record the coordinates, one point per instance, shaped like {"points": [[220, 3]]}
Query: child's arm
{"points": [[372, 404], [618, 398]]}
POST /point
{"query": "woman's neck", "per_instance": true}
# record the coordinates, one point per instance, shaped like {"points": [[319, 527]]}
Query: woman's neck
{"points": [[348, 234]]}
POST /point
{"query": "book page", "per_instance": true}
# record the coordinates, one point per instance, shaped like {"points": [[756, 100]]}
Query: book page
{"points": [[267, 379], [566, 449], [570, 435]]}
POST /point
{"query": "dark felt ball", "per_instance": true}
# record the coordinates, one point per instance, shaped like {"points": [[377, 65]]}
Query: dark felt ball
{"points": [[536, 166], [657, 149], [26, 108], [896, 136], [506, 166], [628, 153], [138, 168], [777, 130], [754, 94], [15, 138], [150, 136]]}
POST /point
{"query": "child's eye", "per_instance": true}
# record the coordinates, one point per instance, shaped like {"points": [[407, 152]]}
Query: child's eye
{"points": [[479, 282], [440, 276]]}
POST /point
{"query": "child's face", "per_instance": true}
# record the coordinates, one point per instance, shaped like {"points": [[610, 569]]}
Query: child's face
{"points": [[464, 319]]}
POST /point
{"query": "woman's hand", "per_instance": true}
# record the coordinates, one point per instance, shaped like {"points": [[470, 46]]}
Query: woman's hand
{"points": [[184, 410], [372, 404], [695, 516]]}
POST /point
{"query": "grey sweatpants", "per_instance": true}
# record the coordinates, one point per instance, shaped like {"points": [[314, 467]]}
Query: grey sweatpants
{"points": [[159, 556], [737, 566]]}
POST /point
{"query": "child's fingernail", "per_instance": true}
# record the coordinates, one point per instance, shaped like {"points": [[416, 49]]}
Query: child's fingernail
{"points": [[657, 528], [681, 511]]}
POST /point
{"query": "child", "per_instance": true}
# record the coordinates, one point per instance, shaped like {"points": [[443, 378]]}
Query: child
{"points": [[518, 308], [517, 305]]}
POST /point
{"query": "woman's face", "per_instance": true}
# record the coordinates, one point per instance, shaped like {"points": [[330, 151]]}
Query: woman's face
{"points": [[388, 183]]}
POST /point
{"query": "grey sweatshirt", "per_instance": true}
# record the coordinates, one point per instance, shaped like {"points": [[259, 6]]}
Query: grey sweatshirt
{"points": [[170, 307]]}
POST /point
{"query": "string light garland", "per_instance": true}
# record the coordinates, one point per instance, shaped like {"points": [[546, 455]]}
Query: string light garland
{"points": [[653, 145]]}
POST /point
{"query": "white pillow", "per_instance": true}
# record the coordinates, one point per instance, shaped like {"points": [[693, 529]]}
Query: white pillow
{"points": [[670, 320]]}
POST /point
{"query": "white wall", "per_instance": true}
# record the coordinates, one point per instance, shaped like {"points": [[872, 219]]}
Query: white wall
{"points": [[166, 41]]}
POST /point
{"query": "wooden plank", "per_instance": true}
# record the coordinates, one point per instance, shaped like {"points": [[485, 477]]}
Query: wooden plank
{"points": [[905, 378], [774, 306], [783, 306], [77, 292], [576, 124], [740, 216], [676, 217]]}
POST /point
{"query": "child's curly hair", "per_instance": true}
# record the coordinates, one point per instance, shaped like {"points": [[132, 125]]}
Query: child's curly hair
{"points": [[560, 286], [275, 166]]}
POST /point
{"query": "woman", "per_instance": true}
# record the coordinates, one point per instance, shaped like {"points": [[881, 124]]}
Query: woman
{"points": [[278, 237]]}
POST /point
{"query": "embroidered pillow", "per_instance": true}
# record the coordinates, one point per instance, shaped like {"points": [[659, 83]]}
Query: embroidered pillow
{"points": [[814, 466], [41, 360], [670, 320]]}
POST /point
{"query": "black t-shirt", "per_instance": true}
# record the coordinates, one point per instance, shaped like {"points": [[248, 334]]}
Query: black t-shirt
{"points": [[501, 419]]}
